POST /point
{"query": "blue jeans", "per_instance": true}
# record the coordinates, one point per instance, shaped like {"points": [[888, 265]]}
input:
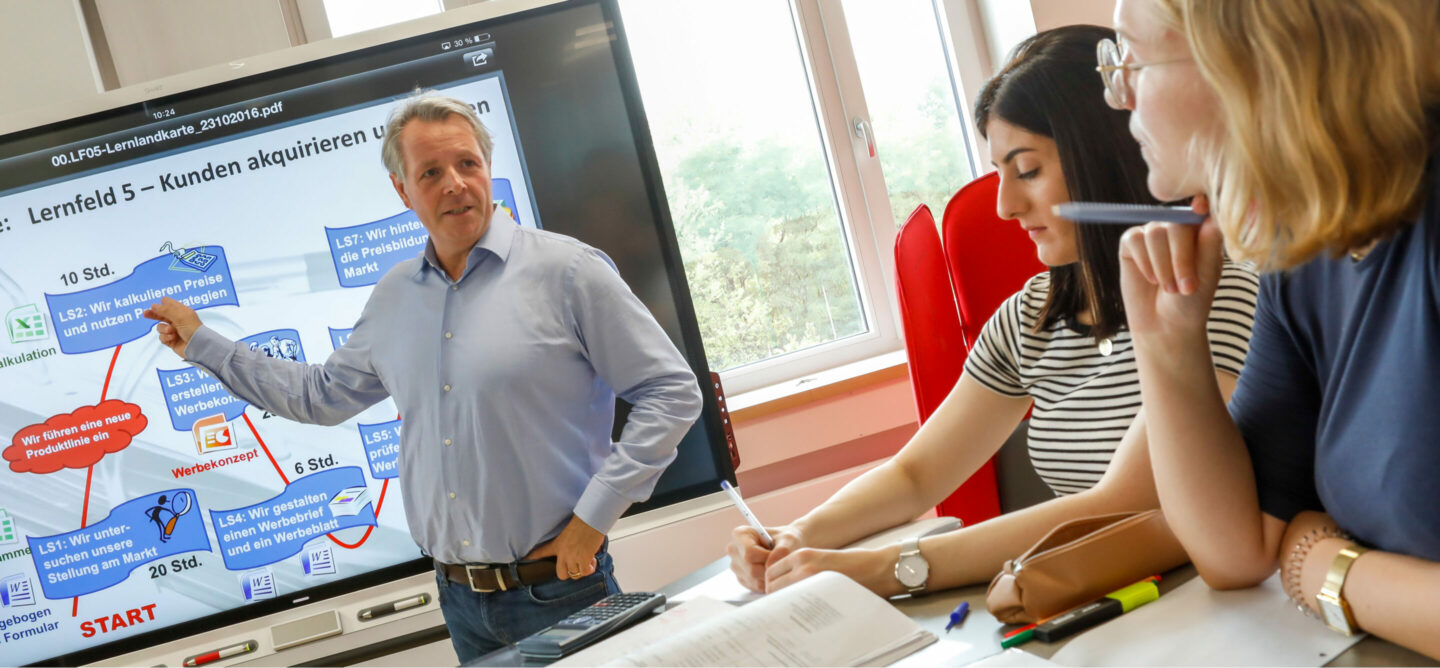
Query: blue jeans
{"points": [[482, 623]]}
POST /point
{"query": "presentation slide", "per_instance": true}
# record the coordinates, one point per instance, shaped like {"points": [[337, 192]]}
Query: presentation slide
{"points": [[148, 495]]}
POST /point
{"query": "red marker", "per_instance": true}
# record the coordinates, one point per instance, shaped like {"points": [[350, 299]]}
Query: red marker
{"points": [[202, 659], [1020, 630]]}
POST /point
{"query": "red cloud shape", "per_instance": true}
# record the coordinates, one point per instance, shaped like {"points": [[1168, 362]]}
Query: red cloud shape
{"points": [[75, 440]]}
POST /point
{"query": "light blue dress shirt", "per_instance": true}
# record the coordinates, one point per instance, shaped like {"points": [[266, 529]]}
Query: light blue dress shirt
{"points": [[506, 380]]}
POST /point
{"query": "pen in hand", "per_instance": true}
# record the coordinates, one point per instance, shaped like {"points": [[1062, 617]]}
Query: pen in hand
{"points": [[749, 516]]}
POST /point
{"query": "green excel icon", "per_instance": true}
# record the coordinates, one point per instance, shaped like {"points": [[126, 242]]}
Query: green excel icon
{"points": [[25, 323], [7, 528]]}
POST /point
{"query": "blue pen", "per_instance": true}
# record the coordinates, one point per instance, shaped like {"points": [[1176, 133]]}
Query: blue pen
{"points": [[958, 617], [1102, 212]]}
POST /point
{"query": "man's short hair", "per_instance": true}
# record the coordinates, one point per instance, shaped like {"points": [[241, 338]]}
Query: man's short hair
{"points": [[433, 107]]}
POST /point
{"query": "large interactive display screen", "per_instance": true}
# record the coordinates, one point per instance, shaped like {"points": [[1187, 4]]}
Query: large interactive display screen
{"points": [[139, 500]]}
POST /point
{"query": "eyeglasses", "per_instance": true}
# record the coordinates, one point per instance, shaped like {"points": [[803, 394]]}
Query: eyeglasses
{"points": [[1114, 71]]}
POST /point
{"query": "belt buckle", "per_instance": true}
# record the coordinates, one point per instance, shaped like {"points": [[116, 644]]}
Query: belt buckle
{"points": [[470, 571]]}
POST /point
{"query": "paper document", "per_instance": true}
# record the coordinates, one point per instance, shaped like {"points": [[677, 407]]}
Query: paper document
{"points": [[825, 620], [674, 620], [1195, 625], [1012, 658]]}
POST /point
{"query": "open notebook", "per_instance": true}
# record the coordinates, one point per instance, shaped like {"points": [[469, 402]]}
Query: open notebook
{"points": [[824, 620]]}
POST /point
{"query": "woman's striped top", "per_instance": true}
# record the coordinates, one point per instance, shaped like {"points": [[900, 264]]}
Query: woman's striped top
{"points": [[1085, 401]]}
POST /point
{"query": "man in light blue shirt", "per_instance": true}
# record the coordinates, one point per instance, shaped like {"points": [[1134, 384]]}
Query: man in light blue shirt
{"points": [[504, 348]]}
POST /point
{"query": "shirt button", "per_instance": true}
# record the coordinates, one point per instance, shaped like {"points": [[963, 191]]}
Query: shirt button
{"points": [[447, 441], [448, 335], [452, 495], [454, 287], [447, 388], [466, 543]]}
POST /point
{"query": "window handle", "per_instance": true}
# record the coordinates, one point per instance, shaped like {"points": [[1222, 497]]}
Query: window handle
{"points": [[862, 130]]}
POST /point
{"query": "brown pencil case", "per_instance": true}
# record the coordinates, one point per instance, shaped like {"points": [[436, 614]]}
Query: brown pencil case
{"points": [[1080, 561]]}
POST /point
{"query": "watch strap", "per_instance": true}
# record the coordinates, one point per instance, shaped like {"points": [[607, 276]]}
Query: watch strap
{"points": [[1332, 591], [910, 547]]}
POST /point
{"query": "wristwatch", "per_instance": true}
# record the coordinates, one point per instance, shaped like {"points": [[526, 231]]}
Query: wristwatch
{"points": [[911, 569], [1331, 598]]}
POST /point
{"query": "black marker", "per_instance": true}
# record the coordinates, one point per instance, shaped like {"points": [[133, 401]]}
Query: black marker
{"points": [[1099, 611]]}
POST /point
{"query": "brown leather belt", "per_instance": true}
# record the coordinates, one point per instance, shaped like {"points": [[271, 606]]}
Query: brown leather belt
{"points": [[487, 578]]}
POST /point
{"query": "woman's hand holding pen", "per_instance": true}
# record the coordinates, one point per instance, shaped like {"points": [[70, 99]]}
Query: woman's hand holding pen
{"points": [[749, 557], [1168, 274], [875, 569]]}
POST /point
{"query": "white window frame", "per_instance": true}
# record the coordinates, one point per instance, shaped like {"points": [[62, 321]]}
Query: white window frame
{"points": [[862, 199]]}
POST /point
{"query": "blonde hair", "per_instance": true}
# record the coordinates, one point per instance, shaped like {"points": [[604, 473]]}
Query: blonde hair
{"points": [[1326, 109]]}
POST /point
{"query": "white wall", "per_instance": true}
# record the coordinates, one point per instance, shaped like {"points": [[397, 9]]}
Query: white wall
{"points": [[150, 39], [45, 54], [1053, 13]]}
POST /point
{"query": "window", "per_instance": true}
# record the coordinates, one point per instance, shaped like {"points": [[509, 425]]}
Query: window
{"points": [[785, 220], [351, 16], [918, 134], [730, 111]]}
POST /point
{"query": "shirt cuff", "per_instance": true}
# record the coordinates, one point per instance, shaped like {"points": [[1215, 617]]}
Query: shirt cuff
{"points": [[208, 349], [600, 507]]}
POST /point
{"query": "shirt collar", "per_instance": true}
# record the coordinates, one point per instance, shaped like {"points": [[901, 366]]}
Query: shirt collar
{"points": [[498, 238]]}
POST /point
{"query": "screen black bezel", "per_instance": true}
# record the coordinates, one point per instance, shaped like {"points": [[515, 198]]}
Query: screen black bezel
{"points": [[711, 416]]}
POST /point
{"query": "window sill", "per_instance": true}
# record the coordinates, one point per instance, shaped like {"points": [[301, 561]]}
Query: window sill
{"points": [[824, 384]]}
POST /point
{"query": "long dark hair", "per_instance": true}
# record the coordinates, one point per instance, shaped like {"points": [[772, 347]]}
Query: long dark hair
{"points": [[1050, 88]]}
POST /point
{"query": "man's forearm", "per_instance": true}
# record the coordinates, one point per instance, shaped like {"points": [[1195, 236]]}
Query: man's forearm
{"points": [[661, 414], [296, 391]]}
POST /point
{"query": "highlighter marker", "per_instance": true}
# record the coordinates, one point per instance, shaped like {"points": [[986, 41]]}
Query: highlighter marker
{"points": [[1099, 611]]}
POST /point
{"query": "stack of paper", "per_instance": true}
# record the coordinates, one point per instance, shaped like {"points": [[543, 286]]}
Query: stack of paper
{"points": [[349, 501]]}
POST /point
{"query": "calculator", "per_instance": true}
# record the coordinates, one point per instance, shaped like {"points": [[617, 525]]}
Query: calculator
{"points": [[584, 627]]}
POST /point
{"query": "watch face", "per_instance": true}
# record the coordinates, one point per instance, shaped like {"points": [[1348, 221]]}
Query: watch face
{"points": [[1334, 616], [912, 570]]}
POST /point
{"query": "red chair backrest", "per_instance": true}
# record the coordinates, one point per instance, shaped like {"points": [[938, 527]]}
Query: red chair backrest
{"points": [[989, 258], [933, 343]]}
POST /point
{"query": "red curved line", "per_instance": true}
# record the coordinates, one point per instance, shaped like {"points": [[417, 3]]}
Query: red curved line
{"points": [[84, 513], [266, 449], [90, 472], [378, 505], [106, 390]]}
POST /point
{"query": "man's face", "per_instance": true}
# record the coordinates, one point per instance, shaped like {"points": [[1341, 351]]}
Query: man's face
{"points": [[447, 182]]}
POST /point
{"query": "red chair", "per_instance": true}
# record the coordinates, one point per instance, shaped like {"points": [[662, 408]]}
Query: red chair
{"points": [[934, 345], [990, 259], [943, 311]]}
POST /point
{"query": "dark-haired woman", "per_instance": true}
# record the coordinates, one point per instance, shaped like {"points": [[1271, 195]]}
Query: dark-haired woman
{"points": [[1061, 343]]}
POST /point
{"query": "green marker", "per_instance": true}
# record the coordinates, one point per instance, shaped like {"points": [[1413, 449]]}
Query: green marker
{"points": [[1018, 639]]}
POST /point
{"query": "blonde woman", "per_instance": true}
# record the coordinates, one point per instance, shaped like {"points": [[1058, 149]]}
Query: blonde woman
{"points": [[1311, 127]]}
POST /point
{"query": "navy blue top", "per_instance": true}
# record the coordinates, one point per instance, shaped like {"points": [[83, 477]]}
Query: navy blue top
{"points": [[1339, 401]]}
